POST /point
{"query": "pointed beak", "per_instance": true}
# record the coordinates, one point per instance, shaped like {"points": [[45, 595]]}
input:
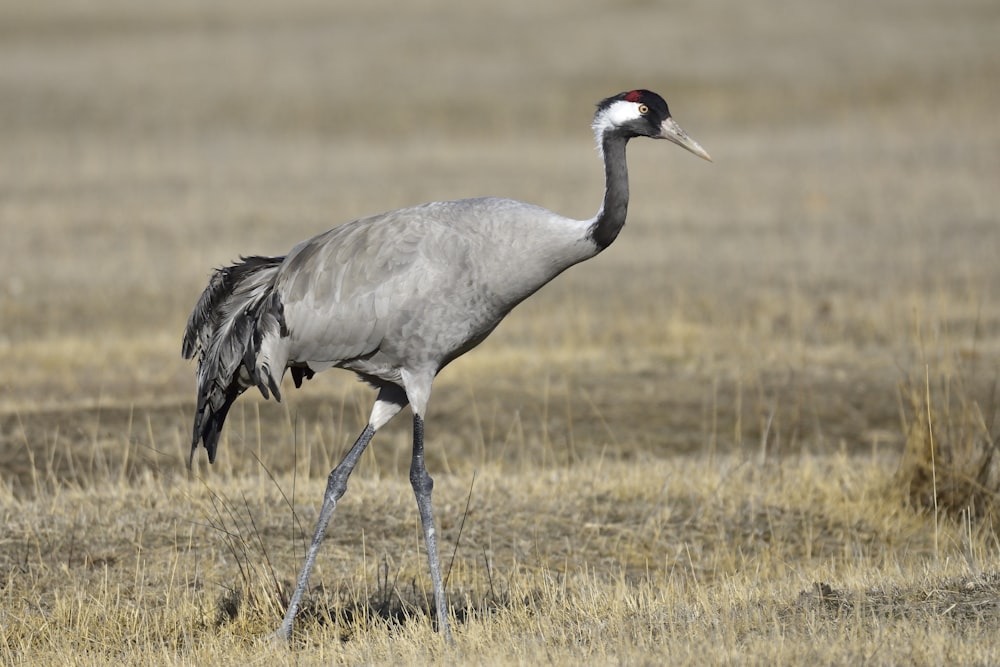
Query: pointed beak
{"points": [[671, 131]]}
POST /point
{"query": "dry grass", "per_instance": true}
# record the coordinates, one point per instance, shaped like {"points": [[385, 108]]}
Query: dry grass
{"points": [[761, 428], [950, 463], [805, 558]]}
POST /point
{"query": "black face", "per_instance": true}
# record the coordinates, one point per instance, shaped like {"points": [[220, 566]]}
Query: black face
{"points": [[653, 108]]}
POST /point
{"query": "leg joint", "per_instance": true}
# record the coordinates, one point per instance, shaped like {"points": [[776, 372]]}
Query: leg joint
{"points": [[421, 481], [336, 483]]}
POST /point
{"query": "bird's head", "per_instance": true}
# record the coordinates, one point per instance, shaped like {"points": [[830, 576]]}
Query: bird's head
{"points": [[642, 113]]}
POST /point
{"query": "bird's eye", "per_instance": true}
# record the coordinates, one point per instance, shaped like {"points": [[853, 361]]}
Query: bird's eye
{"points": [[643, 109]]}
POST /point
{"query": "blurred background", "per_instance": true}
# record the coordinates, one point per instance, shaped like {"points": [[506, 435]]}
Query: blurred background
{"points": [[846, 235]]}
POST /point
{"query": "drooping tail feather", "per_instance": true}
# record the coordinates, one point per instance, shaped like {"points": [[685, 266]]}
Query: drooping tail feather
{"points": [[237, 309]]}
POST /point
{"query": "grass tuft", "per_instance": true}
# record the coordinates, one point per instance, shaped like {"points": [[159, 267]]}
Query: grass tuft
{"points": [[949, 463]]}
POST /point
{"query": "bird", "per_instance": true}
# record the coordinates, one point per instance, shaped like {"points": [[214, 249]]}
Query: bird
{"points": [[395, 297]]}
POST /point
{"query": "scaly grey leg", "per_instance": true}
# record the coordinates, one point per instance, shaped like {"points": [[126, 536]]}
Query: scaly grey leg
{"points": [[422, 485], [336, 484]]}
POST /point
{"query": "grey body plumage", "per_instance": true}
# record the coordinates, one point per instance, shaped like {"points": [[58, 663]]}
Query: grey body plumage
{"points": [[394, 298]]}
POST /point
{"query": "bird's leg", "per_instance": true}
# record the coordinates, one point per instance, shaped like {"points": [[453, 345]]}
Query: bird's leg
{"points": [[391, 399], [422, 485], [336, 485]]}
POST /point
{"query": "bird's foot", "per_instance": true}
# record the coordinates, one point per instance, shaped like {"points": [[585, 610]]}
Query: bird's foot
{"points": [[281, 637]]}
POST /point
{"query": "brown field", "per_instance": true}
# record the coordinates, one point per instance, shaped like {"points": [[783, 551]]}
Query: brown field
{"points": [[758, 429]]}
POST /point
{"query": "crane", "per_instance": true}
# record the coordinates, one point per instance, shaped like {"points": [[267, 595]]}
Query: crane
{"points": [[395, 297]]}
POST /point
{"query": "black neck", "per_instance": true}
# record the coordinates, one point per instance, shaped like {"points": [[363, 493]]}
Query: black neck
{"points": [[611, 217]]}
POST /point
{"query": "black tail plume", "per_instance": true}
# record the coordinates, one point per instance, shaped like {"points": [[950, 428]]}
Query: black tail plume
{"points": [[235, 311]]}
